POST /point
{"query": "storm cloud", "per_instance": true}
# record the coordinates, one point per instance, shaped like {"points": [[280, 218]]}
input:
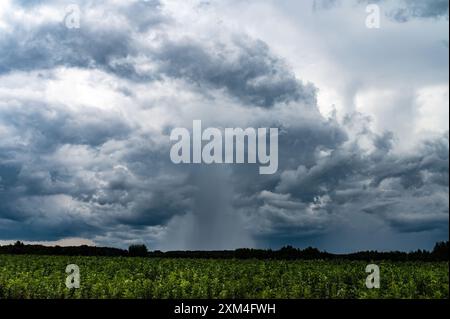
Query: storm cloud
{"points": [[85, 118]]}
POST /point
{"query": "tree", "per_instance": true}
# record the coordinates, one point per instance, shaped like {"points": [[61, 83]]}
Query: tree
{"points": [[137, 251], [440, 251]]}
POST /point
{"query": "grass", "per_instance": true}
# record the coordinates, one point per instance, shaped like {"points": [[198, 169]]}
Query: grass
{"points": [[37, 277]]}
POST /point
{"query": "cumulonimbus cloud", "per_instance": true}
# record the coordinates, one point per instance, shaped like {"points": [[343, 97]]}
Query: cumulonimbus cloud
{"points": [[84, 124]]}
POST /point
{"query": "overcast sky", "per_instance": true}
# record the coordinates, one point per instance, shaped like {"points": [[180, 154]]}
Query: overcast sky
{"points": [[86, 114]]}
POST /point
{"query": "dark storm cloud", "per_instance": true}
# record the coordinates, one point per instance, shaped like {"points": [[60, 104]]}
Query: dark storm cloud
{"points": [[433, 159], [53, 192], [88, 173], [78, 171], [285, 216], [337, 178], [38, 218], [246, 69], [321, 178], [55, 45], [46, 126], [106, 46], [408, 191], [146, 192]]}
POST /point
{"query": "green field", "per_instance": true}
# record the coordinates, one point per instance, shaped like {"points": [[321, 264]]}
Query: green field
{"points": [[117, 277]]}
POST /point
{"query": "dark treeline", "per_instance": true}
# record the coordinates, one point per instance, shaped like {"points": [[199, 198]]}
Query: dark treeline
{"points": [[439, 253], [21, 249]]}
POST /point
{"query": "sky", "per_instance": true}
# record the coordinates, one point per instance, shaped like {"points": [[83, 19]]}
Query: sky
{"points": [[87, 106]]}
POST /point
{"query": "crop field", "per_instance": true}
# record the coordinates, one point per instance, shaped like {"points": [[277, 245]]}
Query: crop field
{"points": [[119, 277]]}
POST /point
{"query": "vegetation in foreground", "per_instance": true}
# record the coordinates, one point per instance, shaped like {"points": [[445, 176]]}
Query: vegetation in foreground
{"points": [[31, 276]]}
